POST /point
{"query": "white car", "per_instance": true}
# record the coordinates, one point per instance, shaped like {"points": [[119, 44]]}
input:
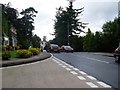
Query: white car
{"points": [[66, 49]]}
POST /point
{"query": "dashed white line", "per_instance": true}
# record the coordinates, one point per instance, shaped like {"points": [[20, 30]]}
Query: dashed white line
{"points": [[76, 69], [97, 60], [104, 84], [82, 72], [60, 64], [92, 78], [64, 66], [73, 72], [81, 77], [91, 85], [68, 69]]}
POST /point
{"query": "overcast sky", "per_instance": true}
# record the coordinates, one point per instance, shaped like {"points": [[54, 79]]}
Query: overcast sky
{"points": [[96, 12]]}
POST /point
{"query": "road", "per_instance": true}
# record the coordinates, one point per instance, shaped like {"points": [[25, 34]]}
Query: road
{"points": [[104, 68]]}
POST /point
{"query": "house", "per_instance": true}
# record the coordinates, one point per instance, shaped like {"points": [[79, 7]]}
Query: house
{"points": [[9, 35]]}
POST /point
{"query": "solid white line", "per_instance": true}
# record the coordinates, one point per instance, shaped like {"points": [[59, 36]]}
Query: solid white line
{"points": [[81, 77], [73, 72], [82, 72], [104, 84], [97, 60], [91, 85], [91, 77], [26, 64]]}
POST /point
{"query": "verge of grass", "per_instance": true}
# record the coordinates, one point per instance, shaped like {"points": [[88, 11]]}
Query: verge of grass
{"points": [[13, 54]]}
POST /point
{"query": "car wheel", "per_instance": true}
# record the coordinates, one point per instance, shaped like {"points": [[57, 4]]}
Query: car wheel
{"points": [[117, 58]]}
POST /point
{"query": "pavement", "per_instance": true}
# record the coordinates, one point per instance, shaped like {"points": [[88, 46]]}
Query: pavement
{"points": [[49, 73]]}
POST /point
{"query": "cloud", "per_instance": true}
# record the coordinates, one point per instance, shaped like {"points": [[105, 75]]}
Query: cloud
{"points": [[96, 13]]}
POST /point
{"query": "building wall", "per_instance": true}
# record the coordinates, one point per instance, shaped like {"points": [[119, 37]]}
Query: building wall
{"points": [[119, 9]]}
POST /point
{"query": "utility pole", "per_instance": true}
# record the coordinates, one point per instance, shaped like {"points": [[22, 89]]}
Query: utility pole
{"points": [[70, 1]]}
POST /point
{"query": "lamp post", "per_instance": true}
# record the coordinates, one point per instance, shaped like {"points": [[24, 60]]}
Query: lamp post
{"points": [[70, 1]]}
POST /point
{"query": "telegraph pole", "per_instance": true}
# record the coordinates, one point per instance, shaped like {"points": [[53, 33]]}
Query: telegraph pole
{"points": [[70, 1]]}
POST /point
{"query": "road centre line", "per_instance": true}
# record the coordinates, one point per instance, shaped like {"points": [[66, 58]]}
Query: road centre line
{"points": [[97, 60], [92, 59]]}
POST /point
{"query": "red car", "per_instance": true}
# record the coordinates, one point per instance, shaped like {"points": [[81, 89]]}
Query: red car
{"points": [[117, 54]]}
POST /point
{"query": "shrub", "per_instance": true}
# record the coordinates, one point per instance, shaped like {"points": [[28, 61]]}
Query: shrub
{"points": [[35, 51], [6, 55], [24, 53]]}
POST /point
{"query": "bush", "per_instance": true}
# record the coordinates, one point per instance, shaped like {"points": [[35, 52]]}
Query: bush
{"points": [[24, 53], [6, 55], [35, 51]]}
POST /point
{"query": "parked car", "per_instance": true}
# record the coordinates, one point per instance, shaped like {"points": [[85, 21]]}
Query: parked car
{"points": [[54, 48], [66, 49], [117, 54]]}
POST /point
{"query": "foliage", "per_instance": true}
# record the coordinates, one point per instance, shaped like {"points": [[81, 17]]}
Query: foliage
{"points": [[36, 41], [6, 55], [67, 23], [24, 53], [87, 44], [35, 51]]}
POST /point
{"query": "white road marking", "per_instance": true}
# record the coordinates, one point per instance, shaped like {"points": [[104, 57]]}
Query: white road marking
{"points": [[104, 84], [81, 77], [91, 85], [68, 69], [76, 69], [60, 64], [97, 60], [73, 72], [26, 64], [71, 66], [64, 66], [82, 72], [91, 77]]}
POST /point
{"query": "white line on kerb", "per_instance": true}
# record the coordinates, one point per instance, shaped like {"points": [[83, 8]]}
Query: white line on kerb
{"points": [[104, 84], [91, 85]]}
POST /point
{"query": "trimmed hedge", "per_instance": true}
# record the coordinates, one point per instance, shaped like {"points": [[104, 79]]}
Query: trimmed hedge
{"points": [[24, 53], [35, 51]]}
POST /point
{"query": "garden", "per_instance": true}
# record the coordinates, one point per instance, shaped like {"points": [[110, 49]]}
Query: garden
{"points": [[10, 52]]}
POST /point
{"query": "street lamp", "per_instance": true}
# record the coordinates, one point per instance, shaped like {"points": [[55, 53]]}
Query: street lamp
{"points": [[70, 1]]}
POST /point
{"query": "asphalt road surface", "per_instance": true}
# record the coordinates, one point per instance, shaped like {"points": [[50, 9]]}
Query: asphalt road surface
{"points": [[104, 68]]}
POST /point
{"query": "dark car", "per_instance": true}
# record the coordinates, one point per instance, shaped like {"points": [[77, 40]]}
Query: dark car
{"points": [[54, 48], [66, 49], [117, 54]]}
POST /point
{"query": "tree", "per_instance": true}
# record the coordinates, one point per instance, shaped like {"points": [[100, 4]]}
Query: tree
{"points": [[36, 41], [111, 35], [26, 26], [67, 24], [88, 41]]}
